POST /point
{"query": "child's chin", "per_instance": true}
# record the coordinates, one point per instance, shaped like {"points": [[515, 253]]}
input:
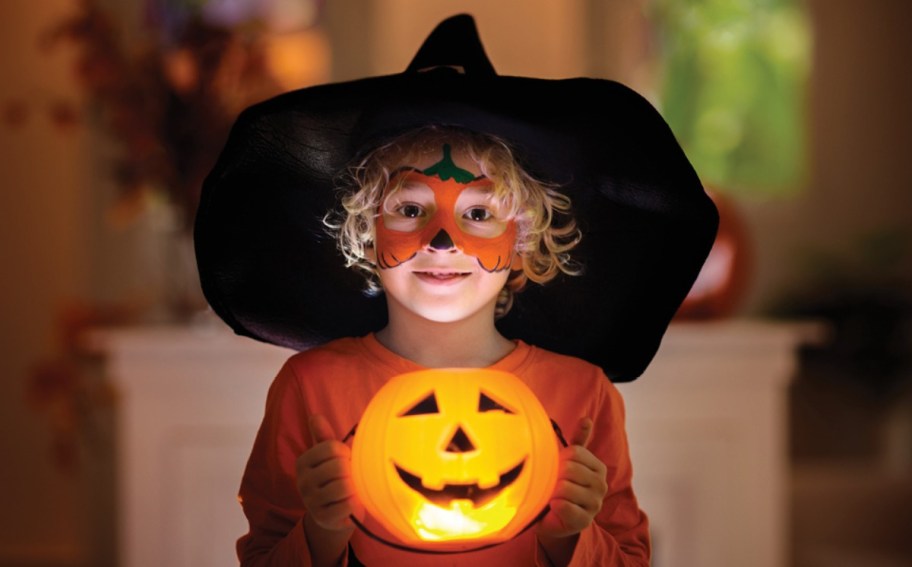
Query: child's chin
{"points": [[446, 313], [442, 315]]}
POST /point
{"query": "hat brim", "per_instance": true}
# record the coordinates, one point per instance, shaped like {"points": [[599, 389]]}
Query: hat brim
{"points": [[271, 271]]}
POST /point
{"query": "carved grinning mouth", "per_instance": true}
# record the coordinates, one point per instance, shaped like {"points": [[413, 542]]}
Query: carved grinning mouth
{"points": [[477, 495]]}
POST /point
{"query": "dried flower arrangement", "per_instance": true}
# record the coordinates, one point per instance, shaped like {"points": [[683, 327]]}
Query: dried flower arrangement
{"points": [[168, 103]]}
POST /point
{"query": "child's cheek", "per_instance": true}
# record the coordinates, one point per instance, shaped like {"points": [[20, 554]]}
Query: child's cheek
{"points": [[494, 254], [395, 247]]}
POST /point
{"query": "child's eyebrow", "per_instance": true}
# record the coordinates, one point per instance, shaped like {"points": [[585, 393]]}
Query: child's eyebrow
{"points": [[413, 185], [481, 191], [411, 190]]}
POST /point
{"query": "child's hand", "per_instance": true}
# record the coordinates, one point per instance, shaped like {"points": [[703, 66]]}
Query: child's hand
{"points": [[580, 488], [324, 479]]}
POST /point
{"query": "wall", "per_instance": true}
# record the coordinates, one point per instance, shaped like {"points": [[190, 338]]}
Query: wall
{"points": [[45, 257], [860, 181], [536, 37]]}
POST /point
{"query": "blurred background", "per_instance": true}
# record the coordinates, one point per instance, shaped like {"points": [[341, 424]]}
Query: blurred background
{"points": [[795, 113]]}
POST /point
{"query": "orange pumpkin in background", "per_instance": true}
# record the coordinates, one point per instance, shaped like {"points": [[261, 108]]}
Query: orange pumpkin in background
{"points": [[454, 456], [724, 278]]}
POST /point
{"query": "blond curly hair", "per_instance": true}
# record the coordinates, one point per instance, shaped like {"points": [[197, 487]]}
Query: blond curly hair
{"points": [[546, 231]]}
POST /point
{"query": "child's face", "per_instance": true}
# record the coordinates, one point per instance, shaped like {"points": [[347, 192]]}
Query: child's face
{"points": [[443, 245]]}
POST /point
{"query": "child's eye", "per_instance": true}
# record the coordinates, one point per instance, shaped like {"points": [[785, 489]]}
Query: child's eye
{"points": [[410, 210], [478, 214]]}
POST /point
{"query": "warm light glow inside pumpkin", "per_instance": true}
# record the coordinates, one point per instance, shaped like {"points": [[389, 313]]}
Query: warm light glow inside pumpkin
{"points": [[452, 455]]}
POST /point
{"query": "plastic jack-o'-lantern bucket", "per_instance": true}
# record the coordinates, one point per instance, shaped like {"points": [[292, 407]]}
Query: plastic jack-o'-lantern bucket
{"points": [[445, 457]]}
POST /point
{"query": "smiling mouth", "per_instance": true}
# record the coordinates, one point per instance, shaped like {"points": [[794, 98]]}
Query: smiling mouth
{"points": [[477, 495], [441, 276]]}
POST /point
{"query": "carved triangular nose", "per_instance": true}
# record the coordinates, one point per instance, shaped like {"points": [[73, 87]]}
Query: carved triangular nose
{"points": [[460, 443], [442, 241]]}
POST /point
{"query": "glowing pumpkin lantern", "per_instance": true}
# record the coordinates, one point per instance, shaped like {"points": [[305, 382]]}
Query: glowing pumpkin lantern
{"points": [[454, 455]]}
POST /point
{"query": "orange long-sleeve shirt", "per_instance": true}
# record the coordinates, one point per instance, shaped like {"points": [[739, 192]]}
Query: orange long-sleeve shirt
{"points": [[337, 380]]}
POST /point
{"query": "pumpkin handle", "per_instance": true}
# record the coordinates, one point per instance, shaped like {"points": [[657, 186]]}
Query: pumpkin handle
{"points": [[351, 433]]}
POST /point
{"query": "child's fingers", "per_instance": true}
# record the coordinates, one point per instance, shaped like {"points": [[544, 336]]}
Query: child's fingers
{"points": [[336, 515], [335, 491], [583, 432], [324, 484], [570, 517], [589, 474], [325, 472], [322, 452], [583, 497], [320, 429]]}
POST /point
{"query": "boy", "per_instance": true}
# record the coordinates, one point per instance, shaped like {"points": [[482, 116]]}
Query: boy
{"points": [[446, 222], [442, 301]]}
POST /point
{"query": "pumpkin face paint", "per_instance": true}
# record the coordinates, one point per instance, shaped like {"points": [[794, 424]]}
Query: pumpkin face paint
{"points": [[454, 455], [443, 207]]}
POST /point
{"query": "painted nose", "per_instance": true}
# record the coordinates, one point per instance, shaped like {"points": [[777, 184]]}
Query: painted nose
{"points": [[441, 241], [459, 443]]}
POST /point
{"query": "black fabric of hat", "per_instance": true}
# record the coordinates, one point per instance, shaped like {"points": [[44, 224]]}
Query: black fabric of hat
{"points": [[269, 269]]}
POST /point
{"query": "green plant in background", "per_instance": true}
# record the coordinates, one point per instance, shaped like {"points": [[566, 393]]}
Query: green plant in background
{"points": [[733, 89]]}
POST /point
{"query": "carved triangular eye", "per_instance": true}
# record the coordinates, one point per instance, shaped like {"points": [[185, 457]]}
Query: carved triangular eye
{"points": [[427, 405], [486, 403]]}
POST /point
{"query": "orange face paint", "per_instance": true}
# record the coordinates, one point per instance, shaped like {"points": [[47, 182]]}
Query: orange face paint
{"points": [[442, 225]]}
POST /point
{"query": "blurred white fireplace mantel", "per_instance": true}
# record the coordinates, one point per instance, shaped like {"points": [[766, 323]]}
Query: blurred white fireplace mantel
{"points": [[707, 426]]}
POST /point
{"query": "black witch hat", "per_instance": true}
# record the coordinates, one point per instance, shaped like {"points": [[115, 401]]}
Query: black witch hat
{"points": [[269, 269]]}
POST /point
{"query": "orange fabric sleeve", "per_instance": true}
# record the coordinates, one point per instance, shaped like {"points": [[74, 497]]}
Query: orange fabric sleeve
{"points": [[269, 494], [620, 534], [570, 389]]}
